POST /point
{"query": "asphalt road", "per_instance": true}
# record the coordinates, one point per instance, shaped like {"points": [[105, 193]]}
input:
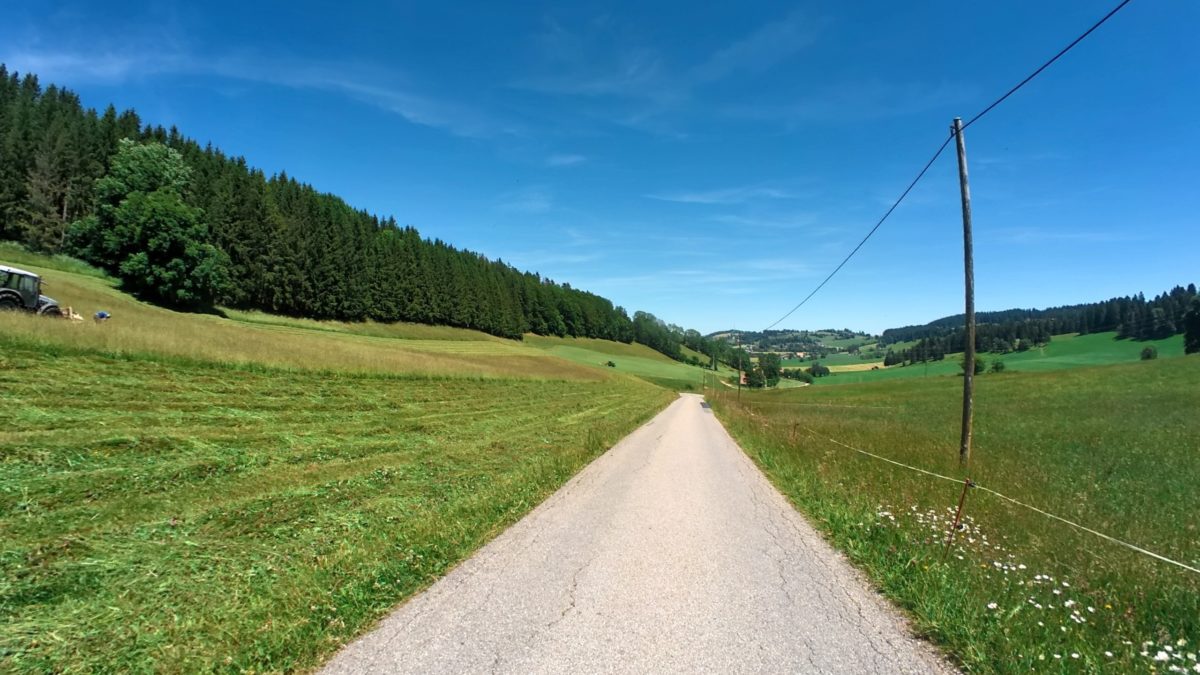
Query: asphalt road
{"points": [[670, 553]]}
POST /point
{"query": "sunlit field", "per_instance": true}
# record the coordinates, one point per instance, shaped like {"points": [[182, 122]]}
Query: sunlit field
{"points": [[173, 517], [634, 359], [1064, 352], [138, 328], [1110, 447], [183, 492]]}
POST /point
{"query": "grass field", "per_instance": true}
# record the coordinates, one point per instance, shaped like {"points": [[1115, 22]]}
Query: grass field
{"points": [[245, 338], [173, 516], [634, 359], [183, 492], [1111, 447], [839, 359], [260, 339], [1063, 352], [846, 343]]}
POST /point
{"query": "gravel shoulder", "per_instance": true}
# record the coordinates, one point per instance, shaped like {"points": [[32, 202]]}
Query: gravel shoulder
{"points": [[669, 553]]}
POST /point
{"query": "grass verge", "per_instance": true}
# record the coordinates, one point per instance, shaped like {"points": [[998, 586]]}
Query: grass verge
{"points": [[1113, 448]]}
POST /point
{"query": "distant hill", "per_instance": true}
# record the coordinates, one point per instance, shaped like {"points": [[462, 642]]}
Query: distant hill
{"points": [[1132, 316], [830, 339]]}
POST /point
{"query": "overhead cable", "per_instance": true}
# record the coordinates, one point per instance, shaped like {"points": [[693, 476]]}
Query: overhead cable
{"points": [[937, 154]]}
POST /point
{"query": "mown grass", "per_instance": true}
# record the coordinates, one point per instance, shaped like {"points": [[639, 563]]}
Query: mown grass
{"points": [[141, 329], [1111, 447], [173, 516], [634, 359]]}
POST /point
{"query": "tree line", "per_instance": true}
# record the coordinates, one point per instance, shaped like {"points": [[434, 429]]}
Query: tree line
{"points": [[284, 247], [242, 239], [1131, 317]]}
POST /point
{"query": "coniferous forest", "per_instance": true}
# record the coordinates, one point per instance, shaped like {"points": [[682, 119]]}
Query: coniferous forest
{"points": [[287, 248], [278, 245], [1133, 317]]}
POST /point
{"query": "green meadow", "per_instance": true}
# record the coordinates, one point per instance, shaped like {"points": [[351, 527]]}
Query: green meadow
{"points": [[1063, 352], [838, 359], [634, 359], [183, 492], [1110, 447]]}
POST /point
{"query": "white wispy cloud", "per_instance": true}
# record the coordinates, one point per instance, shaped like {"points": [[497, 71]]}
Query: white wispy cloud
{"points": [[1049, 234], [540, 259], [745, 273], [636, 86], [860, 101], [528, 200], [578, 237], [780, 221], [141, 58], [731, 195], [565, 160], [100, 66], [770, 44]]}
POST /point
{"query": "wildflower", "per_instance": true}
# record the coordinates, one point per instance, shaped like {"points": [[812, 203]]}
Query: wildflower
{"points": [[1162, 656], [1108, 654], [992, 605], [1074, 655]]}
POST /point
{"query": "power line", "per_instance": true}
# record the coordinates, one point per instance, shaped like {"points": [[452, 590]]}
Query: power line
{"points": [[1046, 65], [864, 239], [937, 154]]}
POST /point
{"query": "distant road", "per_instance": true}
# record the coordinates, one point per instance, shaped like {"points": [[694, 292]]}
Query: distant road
{"points": [[670, 553]]}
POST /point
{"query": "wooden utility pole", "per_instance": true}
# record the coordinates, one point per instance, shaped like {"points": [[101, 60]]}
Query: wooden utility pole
{"points": [[964, 448]]}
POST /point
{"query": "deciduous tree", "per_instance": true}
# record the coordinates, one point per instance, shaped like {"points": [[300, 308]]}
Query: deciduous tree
{"points": [[146, 234]]}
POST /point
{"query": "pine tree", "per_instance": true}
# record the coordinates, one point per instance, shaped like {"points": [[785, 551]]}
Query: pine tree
{"points": [[1191, 327]]}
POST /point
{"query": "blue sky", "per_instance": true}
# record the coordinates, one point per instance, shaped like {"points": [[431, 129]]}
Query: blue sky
{"points": [[710, 164]]}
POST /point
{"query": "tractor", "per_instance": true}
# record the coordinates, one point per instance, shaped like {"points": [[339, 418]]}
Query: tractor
{"points": [[23, 290]]}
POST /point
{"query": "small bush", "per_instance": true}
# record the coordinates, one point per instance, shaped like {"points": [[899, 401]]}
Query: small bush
{"points": [[1150, 353], [997, 366], [610, 364], [980, 365]]}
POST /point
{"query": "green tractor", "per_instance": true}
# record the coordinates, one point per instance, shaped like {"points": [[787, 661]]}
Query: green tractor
{"points": [[23, 290]]}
